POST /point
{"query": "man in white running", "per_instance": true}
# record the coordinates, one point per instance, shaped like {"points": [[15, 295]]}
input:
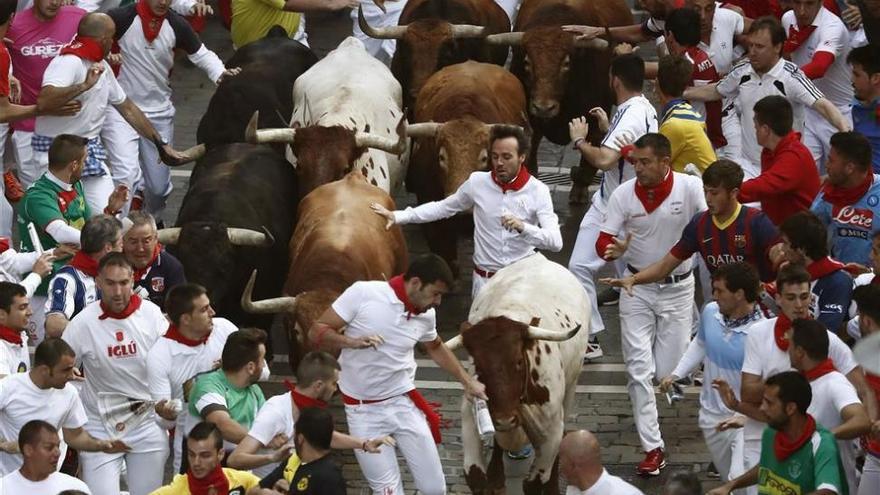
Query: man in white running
{"points": [[383, 321]]}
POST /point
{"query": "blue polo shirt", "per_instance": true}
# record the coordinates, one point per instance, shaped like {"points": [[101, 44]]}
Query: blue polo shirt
{"points": [[866, 120]]}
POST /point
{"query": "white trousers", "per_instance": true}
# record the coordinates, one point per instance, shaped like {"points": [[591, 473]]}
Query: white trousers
{"points": [[730, 127], [817, 135], [144, 471], [510, 7], [6, 212], [727, 450], [36, 329], [401, 419], [870, 483], [29, 167], [751, 458], [381, 49], [585, 262], [655, 327]]}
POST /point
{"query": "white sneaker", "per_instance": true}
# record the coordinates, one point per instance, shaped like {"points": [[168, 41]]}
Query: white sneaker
{"points": [[594, 350]]}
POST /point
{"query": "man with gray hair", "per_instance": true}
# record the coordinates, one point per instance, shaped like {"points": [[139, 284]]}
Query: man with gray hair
{"points": [[73, 287], [156, 270], [580, 463]]}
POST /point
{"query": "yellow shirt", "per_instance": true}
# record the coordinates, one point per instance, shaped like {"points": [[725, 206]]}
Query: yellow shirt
{"points": [[686, 131], [252, 19], [241, 480]]}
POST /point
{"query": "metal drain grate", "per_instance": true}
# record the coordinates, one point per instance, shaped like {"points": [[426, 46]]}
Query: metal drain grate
{"points": [[554, 178]]}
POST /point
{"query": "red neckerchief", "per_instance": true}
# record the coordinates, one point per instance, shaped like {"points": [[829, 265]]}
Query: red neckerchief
{"points": [[66, 198], [875, 280], [85, 263], [823, 267], [784, 447], [151, 22], [779, 329], [303, 401], [84, 47], [140, 272], [174, 334], [840, 197], [431, 410], [4, 244], [133, 306], [796, 37], [652, 197], [821, 369], [396, 284], [10, 335], [214, 483], [517, 183], [871, 445]]}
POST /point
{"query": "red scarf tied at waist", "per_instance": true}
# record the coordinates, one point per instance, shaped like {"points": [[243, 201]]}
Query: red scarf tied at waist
{"points": [[652, 197], [133, 305], [431, 410], [85, 263], [174, 334], [796, 37], [10, 335], [214, 483], [871, 445], [779, 330], [824, 267], [139, 273], [783, 447], [517, 183], [84, 47], [303, 401], [821, 369], [151, 22], [397, 285], [840, 197]]}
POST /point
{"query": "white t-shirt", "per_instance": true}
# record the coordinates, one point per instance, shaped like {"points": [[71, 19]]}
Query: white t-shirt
{"points": [[746, 87], [22, 401], [633, 119], [14, 358], [654, 234], [606, 485], [389, 370], [67, 70], [764, 358], [831, 36], [831, 393], [114, 356], [275, 417], [16, 484], [726, 24]]}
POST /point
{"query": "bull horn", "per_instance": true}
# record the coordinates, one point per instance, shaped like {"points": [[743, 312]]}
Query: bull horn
{"points": [[423, 129], [539, 333], [248, 237], [454, 343], [368, 140], [266, 306], [385, 33], [468, 31], [169, 236], [194, 153], [595, 43], [510, 39], [254, 135]]}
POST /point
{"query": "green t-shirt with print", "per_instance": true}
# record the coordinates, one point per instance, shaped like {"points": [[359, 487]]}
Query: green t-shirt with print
{"points": [[213, 392], [814, 466]]}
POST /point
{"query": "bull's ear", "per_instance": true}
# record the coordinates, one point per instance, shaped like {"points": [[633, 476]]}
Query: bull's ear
{"points": [[464, 326], [296, 124], [536, 322]]}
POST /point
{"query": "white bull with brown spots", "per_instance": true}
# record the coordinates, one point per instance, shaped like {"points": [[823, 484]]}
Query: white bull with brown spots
{"points": [[526, 333]]}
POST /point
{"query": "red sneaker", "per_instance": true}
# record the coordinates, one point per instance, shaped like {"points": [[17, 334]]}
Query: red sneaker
{"points": [[14, 191], [655, 460], [137, 201]]}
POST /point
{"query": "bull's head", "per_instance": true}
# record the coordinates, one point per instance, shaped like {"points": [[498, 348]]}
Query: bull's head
{"points": [[498, 347], [425, 44], [325, 154], [547, 53], [462, 147]]}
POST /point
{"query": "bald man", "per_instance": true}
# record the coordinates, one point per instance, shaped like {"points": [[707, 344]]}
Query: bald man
{"points": [[580, 462]]}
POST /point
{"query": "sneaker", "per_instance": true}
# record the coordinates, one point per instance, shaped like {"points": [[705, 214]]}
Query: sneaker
{"points": [[521, 454], [594, 350], [712, 472], [14, 191], [137, 201], [608, 297], [655, 460]]}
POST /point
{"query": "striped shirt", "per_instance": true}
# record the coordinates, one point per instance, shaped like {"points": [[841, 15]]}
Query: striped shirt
{"points": [[686, 131]]}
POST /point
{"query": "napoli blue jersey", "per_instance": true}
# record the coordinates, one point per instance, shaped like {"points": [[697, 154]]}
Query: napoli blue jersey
{"points": [[850, 228]]}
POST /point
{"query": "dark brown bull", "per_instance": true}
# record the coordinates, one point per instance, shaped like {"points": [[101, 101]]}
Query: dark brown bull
{"points": [[435, 33], [564, 78], [338, 241], [454, 115]]}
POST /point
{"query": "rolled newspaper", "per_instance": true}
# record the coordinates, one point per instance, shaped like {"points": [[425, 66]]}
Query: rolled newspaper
{"points": [[122, 414], [35, 239]]}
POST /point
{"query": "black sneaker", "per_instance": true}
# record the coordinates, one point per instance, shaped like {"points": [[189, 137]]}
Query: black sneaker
{"points": [[712, 472], [608, 297]]}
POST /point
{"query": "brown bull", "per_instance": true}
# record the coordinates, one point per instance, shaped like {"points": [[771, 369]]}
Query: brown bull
{"points": [[564, 78], [338, 241], [455, 112]]}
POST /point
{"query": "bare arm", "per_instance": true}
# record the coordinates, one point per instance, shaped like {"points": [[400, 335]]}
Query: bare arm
{"points": [[630, 34], [52, 98], [855, 422], [55, 324], [136, 118], [447, 360], [245, 455], [601, 157], [831, 114], [865, 392], [11, 113], [80, 439], [229, 428], [708, 92], [326, 333]]}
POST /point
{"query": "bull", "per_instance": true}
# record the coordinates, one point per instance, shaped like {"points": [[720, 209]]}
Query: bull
{"points": [[347, 115], [269, 68], [526, 337], [563, 77], [337, 241], [454, 115], [433, 34], [237, 216]]}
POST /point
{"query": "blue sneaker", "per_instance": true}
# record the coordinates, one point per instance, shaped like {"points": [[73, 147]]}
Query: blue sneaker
{"points": [[521, 454]]}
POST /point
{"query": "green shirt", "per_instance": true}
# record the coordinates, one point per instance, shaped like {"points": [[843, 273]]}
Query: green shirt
{"points": [[44, 202], [814, 466], [213, 392]]}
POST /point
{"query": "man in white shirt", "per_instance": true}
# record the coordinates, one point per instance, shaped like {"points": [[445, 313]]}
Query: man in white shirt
{"points": [[644, 219], [80, 72], [766, 73], [116, 333], [45, 393], [39, 444], [580, 463], [383, 321], [513, 211], [635, 116], [192, 344], [15, 314], [835, 405], [819, 42]]}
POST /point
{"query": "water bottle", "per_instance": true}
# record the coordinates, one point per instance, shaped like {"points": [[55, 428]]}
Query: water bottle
{"points": [[485, 428]]}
